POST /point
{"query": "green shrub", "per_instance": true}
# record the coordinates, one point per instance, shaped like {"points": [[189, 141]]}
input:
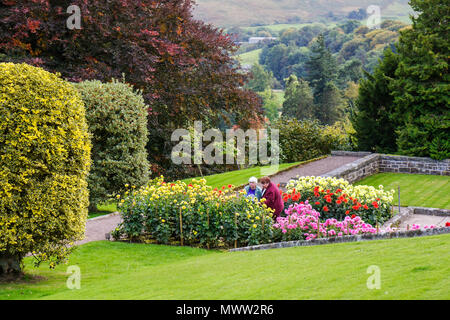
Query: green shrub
{"points": [[338, 135], [302, 140], [167, 212], [117, 119], [44, 163]]}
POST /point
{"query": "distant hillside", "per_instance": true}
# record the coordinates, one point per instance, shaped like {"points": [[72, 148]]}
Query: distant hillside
{"points": [[229, 13]]}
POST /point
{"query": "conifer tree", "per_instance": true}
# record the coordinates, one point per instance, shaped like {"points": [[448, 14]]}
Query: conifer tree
{"points": [[373, 121], [421, 88]]}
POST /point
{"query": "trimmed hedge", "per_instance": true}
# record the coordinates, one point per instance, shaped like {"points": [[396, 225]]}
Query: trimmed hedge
{"points": [[117, 119], [44, 163]]}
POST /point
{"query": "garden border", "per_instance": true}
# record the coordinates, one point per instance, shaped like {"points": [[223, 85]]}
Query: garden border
{"points": [[344, 239]]}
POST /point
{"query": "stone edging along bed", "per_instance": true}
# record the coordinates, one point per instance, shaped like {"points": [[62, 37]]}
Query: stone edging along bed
{"points": [[355, 238]]}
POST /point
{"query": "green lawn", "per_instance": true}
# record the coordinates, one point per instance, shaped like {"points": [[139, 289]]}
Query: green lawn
{"points": [[417, 190], [413, 268], [103, 209], [240, 177]]}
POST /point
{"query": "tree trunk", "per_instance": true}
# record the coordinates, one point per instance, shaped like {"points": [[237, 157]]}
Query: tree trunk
{"points": [[92, 207], [200, 169], [9, 264]]}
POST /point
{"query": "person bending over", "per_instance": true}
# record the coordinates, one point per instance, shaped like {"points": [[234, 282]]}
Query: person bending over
{"points": [[272, 196]]}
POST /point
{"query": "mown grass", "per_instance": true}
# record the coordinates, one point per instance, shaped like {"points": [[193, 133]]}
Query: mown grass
{"points": [[416, 190], [240, 177], [103, 209], [414, 268]]}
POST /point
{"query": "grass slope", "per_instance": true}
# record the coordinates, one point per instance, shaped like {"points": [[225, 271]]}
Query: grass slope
{"points": [[249, 58], [417, 190], [240, 177], [414, 268]]}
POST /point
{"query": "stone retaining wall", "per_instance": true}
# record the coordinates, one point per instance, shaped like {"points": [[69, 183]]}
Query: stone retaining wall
{"points": [[375, 163], [431, 211], [402, 164], [356, 238], [358, 169]]}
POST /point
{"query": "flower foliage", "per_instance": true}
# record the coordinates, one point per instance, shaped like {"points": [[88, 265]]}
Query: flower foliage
{"points": [[44, 163], [336, 198], [202, 216], [302, 222]]}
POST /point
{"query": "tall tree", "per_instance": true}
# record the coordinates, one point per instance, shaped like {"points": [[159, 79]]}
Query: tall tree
{"points": [[330, 105], [322, 73], [373, 119], [298, 99], [184, 66], [260, 79], [421, 89], [322, 67]]}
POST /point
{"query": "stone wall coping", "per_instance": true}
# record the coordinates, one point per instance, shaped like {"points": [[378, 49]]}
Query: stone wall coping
{"points": [[350, 153], [385, 156], [418, 159], [355, 165], [431, 211]]}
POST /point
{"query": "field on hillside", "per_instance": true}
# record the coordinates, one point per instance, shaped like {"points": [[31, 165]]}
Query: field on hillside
{"points": [[409, 269], [249, 58], [266, 12]]}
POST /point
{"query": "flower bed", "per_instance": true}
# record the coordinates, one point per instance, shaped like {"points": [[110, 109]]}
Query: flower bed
{"points": [[193, 214], [197, 215], [302, 222], [337, 198]]}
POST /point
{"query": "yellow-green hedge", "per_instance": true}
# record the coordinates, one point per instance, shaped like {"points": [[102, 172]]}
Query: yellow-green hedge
{"points": [[44, 163]]}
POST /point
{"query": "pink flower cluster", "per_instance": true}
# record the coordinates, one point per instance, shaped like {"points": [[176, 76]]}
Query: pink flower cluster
{"points": [[302, 218]]}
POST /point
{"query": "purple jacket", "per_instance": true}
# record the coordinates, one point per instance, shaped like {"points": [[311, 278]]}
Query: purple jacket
{"points": [[273, 199]]}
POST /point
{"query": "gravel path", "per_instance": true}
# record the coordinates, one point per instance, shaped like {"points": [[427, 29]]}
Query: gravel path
{"points": [[97, 228], [316, 168]]}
